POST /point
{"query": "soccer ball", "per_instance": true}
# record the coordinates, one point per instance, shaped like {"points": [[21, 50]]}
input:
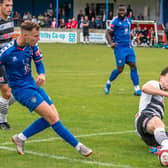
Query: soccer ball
{"points": [[163, 157]]}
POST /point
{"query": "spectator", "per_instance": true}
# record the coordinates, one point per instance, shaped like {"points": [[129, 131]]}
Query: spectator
{"points": [[129, 9], [140, 17], [34, 20], [93, 10], [50, 10], [110, 17], [130, 15], [29, 16], [87, 9], [54, 24], [25, 16], [86, 30], [63, 16], [144, 38], [99, 24], [79, 16], [80, 23], [151, 37], [41, 21], [74, 23], [68, 24], [62, 24], [92, 23], [46, 20], [90, 15], [139, 35], [50, 19], [134, 36], [104, 19], [17, 18]]}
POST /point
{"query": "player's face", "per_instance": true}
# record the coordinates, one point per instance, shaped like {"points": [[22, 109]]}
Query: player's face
{"points": [[122, 12], [164, 81], [32, 37], [6, 7]]}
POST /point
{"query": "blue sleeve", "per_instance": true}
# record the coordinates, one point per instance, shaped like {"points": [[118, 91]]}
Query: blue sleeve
{"points": [[37, 57], [113, 23], [3, 57], [40, 67]]}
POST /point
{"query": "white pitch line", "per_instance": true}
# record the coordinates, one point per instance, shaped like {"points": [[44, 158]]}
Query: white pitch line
{"points": [[68, 159], [78, 136]]}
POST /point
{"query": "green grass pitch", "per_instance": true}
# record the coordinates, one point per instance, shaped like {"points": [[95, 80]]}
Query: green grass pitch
{"points": [[76, 75]]}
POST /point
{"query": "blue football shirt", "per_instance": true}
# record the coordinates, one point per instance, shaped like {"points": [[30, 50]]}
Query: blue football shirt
{"points": [[17, 62], [121, 30]]}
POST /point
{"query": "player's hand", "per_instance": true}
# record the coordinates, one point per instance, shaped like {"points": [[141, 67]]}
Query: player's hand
{"points": [[113, 45], [40, 81]]}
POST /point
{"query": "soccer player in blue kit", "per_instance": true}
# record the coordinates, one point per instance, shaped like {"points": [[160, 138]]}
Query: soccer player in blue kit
{"points": [[17, 56], [119, 38]]}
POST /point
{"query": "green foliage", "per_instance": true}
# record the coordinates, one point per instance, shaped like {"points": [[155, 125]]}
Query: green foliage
{"points": [[76, 75]]}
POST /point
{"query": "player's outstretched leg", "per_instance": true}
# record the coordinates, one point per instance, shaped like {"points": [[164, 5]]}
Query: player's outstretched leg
{"points": [[40, 125], [69, 138], [112, 77]]}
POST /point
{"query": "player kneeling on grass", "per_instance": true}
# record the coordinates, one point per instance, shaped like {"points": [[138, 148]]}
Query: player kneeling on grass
{"points": [[148, 121], [17, 57]]}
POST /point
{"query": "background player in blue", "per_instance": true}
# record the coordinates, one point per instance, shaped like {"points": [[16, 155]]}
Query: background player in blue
{"points": [[119, 38], [17, 56]]}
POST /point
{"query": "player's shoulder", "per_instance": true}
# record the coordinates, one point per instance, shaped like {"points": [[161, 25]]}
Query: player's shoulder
{"points": [[35, 47], [154, 83], [8, 48], [115, 19], [128, 19]]}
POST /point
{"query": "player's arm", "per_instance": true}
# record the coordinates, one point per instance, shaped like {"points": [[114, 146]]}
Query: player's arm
{"points": [[37, 57], [110, 35], [109, 38], [3, 57], [150, 89]]}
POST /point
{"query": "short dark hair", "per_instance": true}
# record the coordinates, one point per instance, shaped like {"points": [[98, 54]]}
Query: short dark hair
{"points": [[2, 1], [164, 71], [29, 25], [122, 6]]}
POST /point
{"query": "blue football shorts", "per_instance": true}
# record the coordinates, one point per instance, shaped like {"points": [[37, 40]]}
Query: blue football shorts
{"points": [[124, 55], [31, 97]]}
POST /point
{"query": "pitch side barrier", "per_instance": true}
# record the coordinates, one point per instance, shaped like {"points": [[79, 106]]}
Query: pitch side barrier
{"points": [[71, 36], [97, 36]]}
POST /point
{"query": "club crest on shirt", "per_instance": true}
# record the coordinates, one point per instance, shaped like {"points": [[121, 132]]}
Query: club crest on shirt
{"points": [[14, 58], [119, 61], [33, 99]]}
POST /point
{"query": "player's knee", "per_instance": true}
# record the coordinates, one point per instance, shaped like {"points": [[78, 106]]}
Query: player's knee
{"points": [[52, 119], [132, 65], [154, 123], [6, 92], [120, 69]]}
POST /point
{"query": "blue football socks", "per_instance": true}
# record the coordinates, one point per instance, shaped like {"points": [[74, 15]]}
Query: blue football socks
{"points": [[36, 127], [64, 133], [114, 74], [134, 76]]}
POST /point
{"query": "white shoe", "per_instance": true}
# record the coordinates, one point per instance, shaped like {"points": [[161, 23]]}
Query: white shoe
{"points": [[19, 144], [85, 151]]}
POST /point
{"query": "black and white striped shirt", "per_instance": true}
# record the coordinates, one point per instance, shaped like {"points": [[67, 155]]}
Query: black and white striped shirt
{"points": [[152, 103], [6, 31]]}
